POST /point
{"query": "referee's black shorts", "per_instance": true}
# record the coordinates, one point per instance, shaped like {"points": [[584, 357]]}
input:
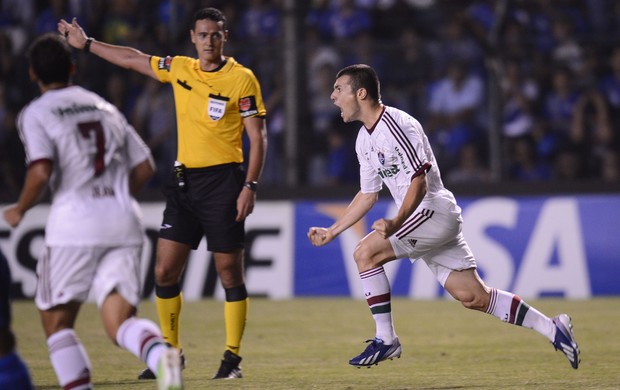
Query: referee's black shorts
{"points": [[207, 207]]}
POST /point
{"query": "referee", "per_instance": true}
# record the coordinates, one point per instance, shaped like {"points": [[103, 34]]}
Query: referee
{"points": [[209, 192]]}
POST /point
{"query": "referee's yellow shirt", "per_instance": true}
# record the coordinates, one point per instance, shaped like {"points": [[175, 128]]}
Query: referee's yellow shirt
{"points": [[210, 108]]}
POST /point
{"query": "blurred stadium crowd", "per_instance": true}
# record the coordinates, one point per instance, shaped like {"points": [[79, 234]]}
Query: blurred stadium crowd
{"points": [[556, 62]]}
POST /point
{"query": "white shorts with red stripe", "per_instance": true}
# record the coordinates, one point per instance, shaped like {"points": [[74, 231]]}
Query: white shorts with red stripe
{"points": [[68, 274], [434, 234]]}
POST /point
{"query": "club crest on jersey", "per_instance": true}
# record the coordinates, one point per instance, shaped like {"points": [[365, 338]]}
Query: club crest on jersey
{"points": [[164, 63], [216, 107], [381, 158]]}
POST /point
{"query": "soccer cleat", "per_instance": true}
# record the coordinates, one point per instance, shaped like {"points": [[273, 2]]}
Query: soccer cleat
{"points": [[169, 370], [229, 368], [148, 374], [565, 340], [377, 351]]}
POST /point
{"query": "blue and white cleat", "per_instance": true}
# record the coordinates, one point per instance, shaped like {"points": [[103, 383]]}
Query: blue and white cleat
{"points": [[377, 351], [565, 340]]}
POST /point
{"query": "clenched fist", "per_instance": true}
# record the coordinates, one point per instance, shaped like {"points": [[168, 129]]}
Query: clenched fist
{"points": [[319, 236]]}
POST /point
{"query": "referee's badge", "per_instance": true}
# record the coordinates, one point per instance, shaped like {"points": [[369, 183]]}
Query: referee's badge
{"points": [[164, 63], [216, 107]]}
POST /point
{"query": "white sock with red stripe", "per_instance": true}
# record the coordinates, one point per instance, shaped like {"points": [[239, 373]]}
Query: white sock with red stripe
{"points": [[70, 360], [142, 338], [376, 288], [509, 308]]}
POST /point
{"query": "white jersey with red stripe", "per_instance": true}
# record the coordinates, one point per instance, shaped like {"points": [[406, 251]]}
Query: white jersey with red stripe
{"points": [[92, 148], [393, 152]]}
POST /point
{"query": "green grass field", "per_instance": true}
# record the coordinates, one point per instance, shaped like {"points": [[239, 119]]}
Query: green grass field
{"points": [[306, 344]]}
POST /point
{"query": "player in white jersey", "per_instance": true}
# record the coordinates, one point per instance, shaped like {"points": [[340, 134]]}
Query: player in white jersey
{"points": [[392, 149], [93, 161]]}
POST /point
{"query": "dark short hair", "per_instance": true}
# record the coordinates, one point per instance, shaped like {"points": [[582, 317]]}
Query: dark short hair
{"points": [[363, 76], [50, 58], [213, 14]]}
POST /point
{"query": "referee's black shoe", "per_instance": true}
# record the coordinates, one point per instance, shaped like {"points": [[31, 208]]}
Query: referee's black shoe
{"points": [[148, 374], [229, 368]]}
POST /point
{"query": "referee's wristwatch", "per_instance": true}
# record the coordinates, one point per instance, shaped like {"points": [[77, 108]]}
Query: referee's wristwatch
{"points": [[253, 185]]}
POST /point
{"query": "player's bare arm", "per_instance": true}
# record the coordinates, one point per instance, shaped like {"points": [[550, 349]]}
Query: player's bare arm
{"points": [[357, 209], [123, 56], [35, 184], [256, 128], [140, 174], [416, 192]]}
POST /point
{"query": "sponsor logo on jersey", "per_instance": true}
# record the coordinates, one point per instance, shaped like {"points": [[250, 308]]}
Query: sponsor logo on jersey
{"points": [[74, 109], [403, 160], [164, 63], [388, 172], [247, 106]]}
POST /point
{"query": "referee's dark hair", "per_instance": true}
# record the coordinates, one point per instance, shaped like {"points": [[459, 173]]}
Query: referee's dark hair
{"points": [[213, 14], [50, 59], [363, 76]]}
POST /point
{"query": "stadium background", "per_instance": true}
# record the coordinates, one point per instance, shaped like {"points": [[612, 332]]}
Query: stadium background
{"points": [[530, 148]]}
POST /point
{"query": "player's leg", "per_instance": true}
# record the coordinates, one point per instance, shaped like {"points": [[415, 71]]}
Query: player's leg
{"points": [[142, 338], [229, 266], [467, 287], [64, 280], [370, 255], [66, 351], [116, 287]]}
